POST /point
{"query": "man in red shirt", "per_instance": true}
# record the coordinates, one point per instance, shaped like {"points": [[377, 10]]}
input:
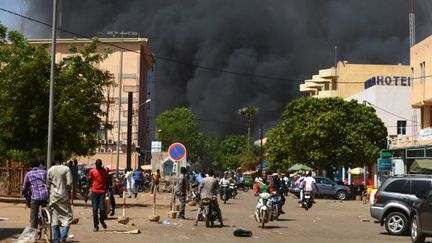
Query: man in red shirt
{"points": [[99, 176]]}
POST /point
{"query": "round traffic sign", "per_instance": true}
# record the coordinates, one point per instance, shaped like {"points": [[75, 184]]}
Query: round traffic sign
{"points": [[176, 151]]}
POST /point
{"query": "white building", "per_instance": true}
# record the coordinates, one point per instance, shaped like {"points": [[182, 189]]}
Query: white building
{"points": [[393, 106]]}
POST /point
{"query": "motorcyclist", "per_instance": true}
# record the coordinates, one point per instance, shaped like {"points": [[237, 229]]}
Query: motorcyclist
{"points": [[224, 182], [208, 189], [298, 183], [309, 184], [277, 187]]}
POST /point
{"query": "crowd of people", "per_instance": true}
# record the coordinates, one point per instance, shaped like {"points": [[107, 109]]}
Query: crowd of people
{"points": [[57, 187]]}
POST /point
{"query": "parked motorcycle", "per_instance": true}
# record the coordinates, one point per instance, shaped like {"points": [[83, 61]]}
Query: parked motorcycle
{"points": [[233, 190], [224, 191], [307, 200], [119, 186], [263, 212], [210, 212]]}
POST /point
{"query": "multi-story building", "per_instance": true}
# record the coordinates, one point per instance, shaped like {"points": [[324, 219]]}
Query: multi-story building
{"points": [[137, 65], [349, 79]]}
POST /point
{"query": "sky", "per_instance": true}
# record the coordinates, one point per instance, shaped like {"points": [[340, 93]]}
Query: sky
{"points": [[288, 39]]}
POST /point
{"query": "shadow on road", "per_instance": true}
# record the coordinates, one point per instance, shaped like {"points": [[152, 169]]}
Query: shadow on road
{"points": [[6, 233], [275, 227], [286, 220]]}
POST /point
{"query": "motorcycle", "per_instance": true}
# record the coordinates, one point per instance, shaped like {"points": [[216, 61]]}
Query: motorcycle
{"points": [[263, 212], [143, 186], [276, 200], [307, 200], [233, 190], [224, 191], [210, 211], [83, 185], [119, 186]]}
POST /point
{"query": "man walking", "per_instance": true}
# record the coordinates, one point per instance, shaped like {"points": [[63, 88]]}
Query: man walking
{"points": [[59, 184], [99, 176], [34, 187], [181, 190]]}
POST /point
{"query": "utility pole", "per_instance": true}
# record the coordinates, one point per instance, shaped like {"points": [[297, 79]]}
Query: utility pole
{"points": [[261, 149], [129, 131], [51, 94], [119, 105]]}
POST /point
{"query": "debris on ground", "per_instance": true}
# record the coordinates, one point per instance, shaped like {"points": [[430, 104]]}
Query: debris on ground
{"points": [[135, 231], [242, 233], [123, 220]]}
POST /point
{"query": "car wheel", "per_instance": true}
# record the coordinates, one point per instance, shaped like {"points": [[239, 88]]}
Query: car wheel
{"points": [[396, 223], [341, 195], [416, 235]]}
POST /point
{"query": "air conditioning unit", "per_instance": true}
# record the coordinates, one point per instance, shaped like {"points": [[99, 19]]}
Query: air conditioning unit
{"points": [[103, 141], [102, 150], [110, 141], [109, 150]]}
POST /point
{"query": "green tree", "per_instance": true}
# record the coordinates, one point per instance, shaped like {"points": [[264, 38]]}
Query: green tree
{"points": [[248, 112], [326, 131], [249, 159], [229, 149], [24, 81], [180, 125]]}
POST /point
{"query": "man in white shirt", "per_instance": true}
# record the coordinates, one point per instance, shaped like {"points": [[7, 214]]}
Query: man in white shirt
{"points": [[309, 184]]}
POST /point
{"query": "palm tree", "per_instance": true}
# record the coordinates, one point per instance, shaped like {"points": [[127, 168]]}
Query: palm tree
{"points": [[248, 112]]}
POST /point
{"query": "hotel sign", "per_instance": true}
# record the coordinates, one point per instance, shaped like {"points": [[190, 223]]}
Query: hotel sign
{"points": [[388, 81], [425, 134]]}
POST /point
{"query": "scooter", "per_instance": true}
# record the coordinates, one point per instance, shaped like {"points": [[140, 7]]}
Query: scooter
{"points": [[224, 193], [307, 200], [264, 211], [233, 190], [276, 200]]}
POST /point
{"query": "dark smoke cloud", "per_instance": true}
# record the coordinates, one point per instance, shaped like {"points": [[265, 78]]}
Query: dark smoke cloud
{"points": [[283, 38]]}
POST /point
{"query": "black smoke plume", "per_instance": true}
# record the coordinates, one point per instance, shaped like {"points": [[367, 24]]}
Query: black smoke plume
{"points": [[291, 39]]}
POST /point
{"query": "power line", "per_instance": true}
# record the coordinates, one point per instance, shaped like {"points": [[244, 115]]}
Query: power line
{"points": [[391, 113], [168, 59]]}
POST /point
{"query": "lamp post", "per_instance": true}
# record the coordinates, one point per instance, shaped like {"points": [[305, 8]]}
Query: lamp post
{"points": [[140, 159], [51, 94]]}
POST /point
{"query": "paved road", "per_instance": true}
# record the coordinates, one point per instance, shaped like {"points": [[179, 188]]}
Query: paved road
{"points": [[328, 221]]}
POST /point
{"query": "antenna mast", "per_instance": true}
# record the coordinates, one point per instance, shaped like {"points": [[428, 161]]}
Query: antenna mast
{"points": [[411, 23]]}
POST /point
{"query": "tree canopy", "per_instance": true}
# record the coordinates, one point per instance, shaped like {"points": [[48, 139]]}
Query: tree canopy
{"points": [[180, 125], [24, 100], [324, 132], [229, 150]]}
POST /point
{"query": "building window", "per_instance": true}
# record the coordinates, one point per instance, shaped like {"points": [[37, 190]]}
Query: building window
{"points": [[401, 127]]}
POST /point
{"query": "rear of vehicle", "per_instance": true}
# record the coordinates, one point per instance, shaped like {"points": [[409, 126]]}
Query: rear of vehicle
{"points": [[248, 181], [329, 188], [394, 199]]}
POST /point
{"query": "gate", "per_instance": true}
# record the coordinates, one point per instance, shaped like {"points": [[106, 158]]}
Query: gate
{"points": [[11, 180]]}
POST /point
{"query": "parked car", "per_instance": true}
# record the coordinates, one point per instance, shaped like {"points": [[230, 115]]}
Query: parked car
{"points": [[326, 187], [421, 218], [394, 200]]}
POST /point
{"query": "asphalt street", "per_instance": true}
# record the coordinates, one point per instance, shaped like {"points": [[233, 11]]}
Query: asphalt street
{"points": [[328, 221]]}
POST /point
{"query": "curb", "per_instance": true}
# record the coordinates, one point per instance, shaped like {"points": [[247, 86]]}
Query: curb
{"points": [[12, 200]]}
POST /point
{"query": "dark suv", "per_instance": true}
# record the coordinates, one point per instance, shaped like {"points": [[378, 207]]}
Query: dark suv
{"points": [[394, 200], [421, 218]]}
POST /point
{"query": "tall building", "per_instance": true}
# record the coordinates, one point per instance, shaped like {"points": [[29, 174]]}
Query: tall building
{"points": [[137, 65]]}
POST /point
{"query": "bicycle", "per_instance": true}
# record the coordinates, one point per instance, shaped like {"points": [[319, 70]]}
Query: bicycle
{"points": [[168, 187], [44, 224]]}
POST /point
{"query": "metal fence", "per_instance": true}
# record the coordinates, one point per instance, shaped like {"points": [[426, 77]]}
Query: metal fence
{"points": [[11, 180]]}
